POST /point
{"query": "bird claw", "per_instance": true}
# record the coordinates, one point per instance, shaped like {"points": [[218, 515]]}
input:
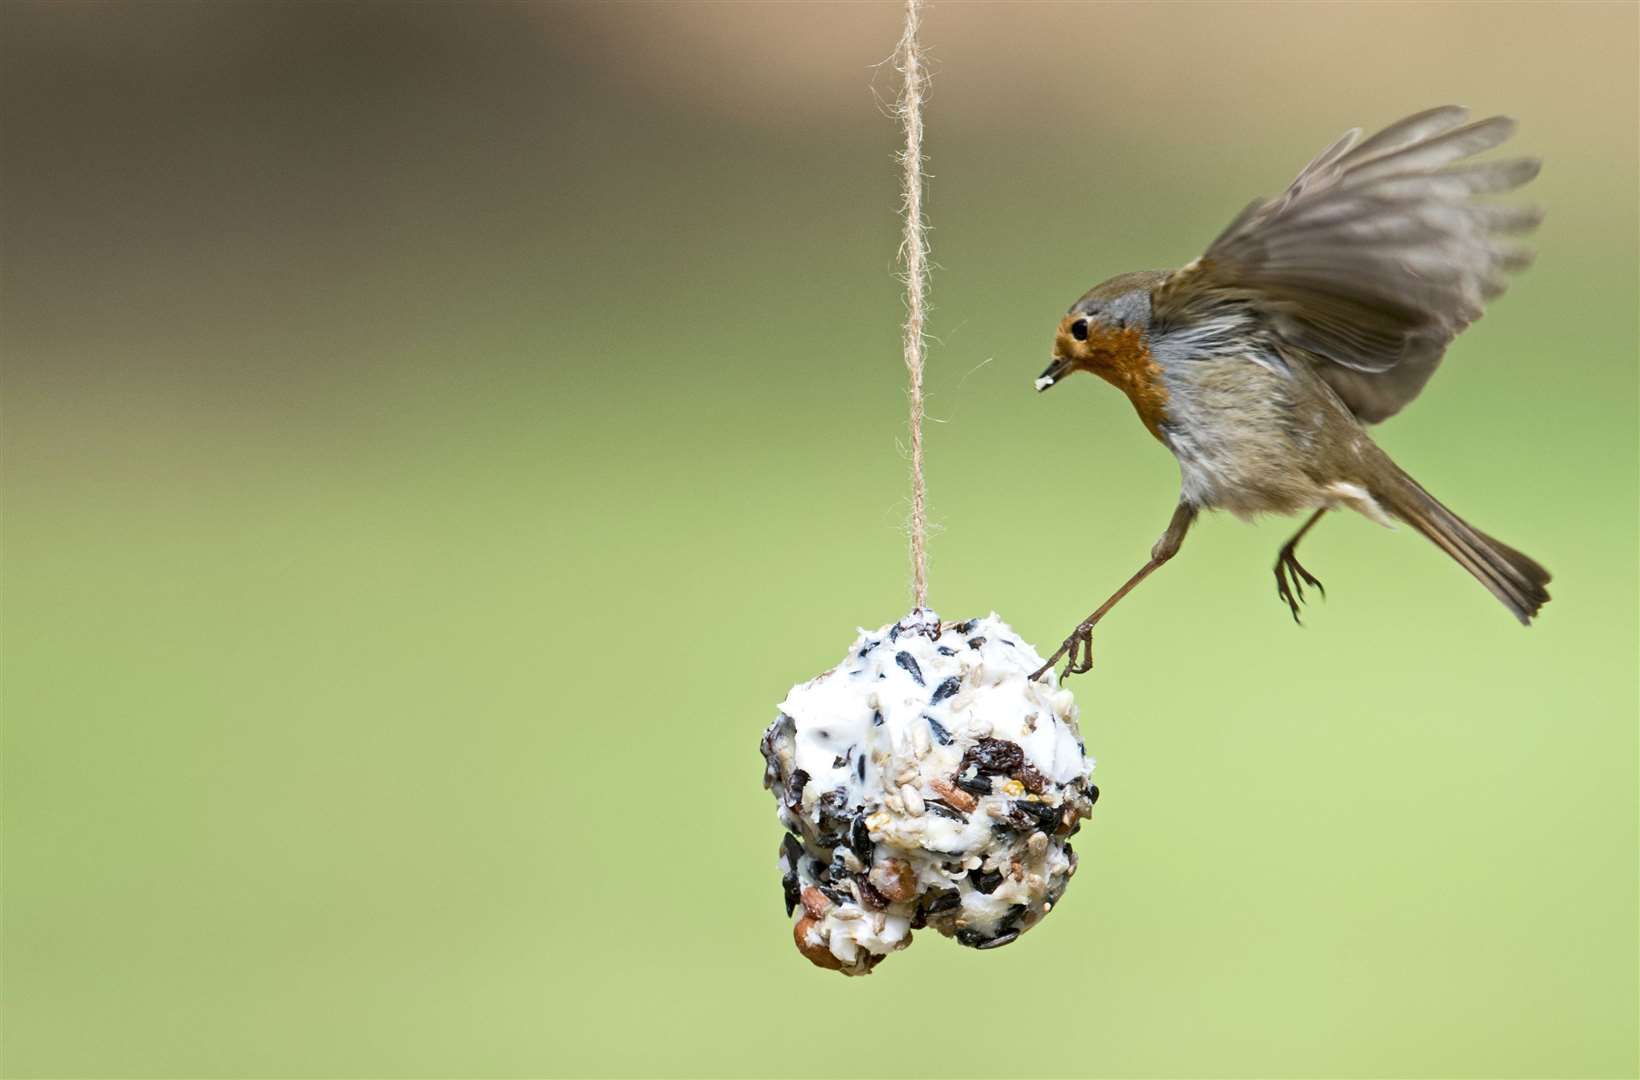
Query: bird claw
{"points": [[1077, 651], [1291, 577]]}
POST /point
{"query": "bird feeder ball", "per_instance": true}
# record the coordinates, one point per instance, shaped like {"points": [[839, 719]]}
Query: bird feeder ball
{"points": [[926, 780]]}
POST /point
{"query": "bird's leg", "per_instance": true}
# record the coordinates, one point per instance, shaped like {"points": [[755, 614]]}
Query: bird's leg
{"points": [[1078, 648], [1291, 577]]}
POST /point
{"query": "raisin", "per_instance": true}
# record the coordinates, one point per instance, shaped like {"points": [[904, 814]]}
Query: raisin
{"points": [[833, 801], [994, 756], [1034, 781], [965, 626], [869, 896], [909, 662]]}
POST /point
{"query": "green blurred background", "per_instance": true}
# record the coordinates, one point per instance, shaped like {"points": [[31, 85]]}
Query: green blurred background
{"points": [[436, 436]]}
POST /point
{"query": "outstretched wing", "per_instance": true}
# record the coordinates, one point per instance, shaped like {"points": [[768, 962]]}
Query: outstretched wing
{"points": [[1375, 257]]}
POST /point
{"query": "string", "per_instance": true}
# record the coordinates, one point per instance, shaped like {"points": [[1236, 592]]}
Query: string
{"points": [[914, 256]]}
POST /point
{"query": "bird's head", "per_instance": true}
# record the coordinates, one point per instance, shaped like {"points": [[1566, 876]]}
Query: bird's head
{"points": [[1106, 332]]}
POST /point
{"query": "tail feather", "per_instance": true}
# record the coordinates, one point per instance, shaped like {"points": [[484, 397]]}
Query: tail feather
{"points": [[1516, 579]]}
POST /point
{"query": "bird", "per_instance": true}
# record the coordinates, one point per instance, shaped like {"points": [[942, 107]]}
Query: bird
{"points": [[1313, 315]]}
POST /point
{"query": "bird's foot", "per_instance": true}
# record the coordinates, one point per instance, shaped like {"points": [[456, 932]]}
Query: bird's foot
{"points": [[1291, 577], [1077, 651]]}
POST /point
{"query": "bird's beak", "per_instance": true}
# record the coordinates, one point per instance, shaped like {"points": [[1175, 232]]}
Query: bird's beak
{"points": [[1058, 369]]}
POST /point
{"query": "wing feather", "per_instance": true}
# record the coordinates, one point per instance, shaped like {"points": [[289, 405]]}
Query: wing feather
{"points": [[1375, 257]]}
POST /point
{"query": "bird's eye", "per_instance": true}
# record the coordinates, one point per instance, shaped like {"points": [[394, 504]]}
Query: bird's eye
{"points": [[1079, 329]]}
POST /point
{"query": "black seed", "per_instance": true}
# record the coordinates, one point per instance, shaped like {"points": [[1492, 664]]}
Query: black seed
{"points": [[791, 849], [788, 886], [867, 647], [817, 869], [999, 941], [840, 761], [1093, 794], [946, 689], [794, 789], [1011, 920], [940, 733], [944, 901], [965, 626], [1037, 815], [909, 662], [944, 809], [836, 896], [994, 756], [859, 840], [860, 767], [1006, 642], [918, 919], [946, 651], [975, 642], [894, 632], [972, 938], [985, 881], [975, 785]]}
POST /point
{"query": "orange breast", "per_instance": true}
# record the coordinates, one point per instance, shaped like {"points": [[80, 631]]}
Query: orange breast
{"points": [[1123, 360]]}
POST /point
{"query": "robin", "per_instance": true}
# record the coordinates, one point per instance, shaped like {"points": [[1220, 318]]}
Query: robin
{"points": [[1314, 314]]}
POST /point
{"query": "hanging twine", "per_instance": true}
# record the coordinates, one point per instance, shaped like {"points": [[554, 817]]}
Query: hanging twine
{"points": [[914, 255]]}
